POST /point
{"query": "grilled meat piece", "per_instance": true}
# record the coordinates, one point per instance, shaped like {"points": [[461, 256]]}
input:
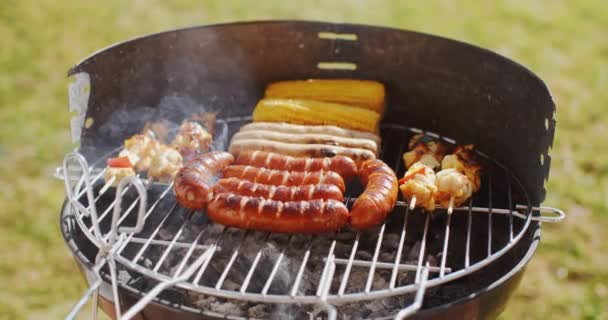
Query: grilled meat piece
{"points": [[118, 174], [419, 182], [165, 164], [141, 150], [425, 149], [192, 139], [465, 161], [452, 183]]}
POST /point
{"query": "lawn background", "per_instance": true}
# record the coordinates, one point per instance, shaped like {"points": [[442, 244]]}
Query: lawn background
{"points": [[564, 42]]}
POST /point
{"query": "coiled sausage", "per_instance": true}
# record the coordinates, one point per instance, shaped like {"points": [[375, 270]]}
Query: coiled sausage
{"points": [[192, 184], [379, 196]]}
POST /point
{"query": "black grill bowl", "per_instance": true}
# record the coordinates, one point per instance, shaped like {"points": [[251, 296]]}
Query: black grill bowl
{"points": [[461, 91]]}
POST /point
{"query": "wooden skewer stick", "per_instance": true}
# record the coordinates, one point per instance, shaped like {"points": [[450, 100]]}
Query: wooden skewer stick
{"points": [[413, 203], [451, 205], [107, 185]]}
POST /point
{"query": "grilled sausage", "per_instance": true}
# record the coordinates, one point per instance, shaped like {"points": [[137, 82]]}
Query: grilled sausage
{"points": [[344, 166], [192, 184], [283, 127], [282, 177], [300, 150], [280, 193], [314, 216], [379, 197], [308, 138]]}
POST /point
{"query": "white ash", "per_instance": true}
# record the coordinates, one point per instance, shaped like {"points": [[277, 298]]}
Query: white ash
{"points": [[387, 256], [259, 311], [228, 308], [230, 285], [123, 276], [414, 251], [203, 302]]}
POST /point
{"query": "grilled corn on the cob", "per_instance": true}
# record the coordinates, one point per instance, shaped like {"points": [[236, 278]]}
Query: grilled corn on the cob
{"points": [[362, 93], [316, 112]]}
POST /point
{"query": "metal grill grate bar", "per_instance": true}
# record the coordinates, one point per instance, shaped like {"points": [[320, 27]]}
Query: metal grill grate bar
{"points": [[110, 207], [399, 249], [212, 250], [510, 196], [490, 214], [467, 256], [253, 266], [150, 239], [168, 249], [328, 262], [182, 245], [188, 254], [296, 284], [275, 268], [422, 246], [233, 257], [349, 265], [386, 265], [484, 210], [372, 268], [84, 189], [153, 235], [446, 239]]}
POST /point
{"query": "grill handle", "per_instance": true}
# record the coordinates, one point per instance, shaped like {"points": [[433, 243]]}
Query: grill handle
{"points": [[72, 191], [91, 293], [411, 309], [184, 276], [556, 215], [143, 200]]}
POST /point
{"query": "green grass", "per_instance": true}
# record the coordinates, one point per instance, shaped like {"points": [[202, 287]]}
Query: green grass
{"points": [[564, 42]]}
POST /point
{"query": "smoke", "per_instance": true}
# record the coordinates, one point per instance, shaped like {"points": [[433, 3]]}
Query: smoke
{"points": [[171, 111]]}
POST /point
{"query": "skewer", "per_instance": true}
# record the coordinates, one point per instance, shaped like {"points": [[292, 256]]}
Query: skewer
{"points": [[107, 185], [413, 203], [451, 205]]}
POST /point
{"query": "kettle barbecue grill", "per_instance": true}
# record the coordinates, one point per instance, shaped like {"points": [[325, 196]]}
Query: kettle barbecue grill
{"points": [[145, 257]]}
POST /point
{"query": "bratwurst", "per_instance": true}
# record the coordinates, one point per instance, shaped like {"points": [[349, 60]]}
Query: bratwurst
{"points": [[283, 177], [300, 149], [344, 166], [280, 193], [313, 216]]}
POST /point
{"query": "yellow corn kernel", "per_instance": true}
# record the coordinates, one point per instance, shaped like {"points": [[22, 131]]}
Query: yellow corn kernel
{"points": [[316, 113], [361, 93]]}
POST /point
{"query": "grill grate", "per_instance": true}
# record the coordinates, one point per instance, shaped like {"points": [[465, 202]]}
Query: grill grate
{"points": [[176, 244]]}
